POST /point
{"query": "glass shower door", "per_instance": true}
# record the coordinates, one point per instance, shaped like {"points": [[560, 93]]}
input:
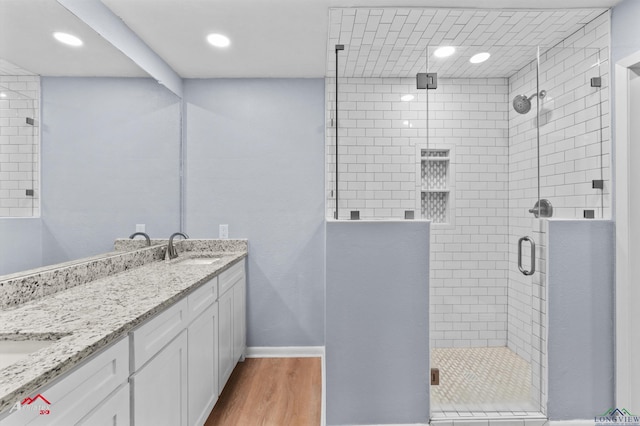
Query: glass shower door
{"points": [[485, 326]]}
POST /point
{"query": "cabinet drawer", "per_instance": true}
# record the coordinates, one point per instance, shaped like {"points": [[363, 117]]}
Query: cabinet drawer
{"points": [[202, 298], [115, 411], [230, 277], [152, 336], [77, 393]]}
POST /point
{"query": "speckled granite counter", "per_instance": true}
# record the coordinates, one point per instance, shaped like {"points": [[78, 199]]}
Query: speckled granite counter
{"points": [[91, 316]]}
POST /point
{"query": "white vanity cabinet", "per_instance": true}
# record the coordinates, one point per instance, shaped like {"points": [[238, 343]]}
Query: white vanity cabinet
{"points": [[231, 327], [167, 371], [94, 393], [178, 385]]}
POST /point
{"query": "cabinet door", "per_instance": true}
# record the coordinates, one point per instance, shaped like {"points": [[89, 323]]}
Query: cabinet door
{"points": [[113, 412], [239, 320], [203, 365], [226, 362], [160, 387]]}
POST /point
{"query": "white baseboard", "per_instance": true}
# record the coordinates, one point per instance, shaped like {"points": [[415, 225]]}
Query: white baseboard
{"points": [[284, 351]]}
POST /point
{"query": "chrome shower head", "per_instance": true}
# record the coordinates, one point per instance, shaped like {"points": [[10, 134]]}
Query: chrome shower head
{"points": [[522, 103]]}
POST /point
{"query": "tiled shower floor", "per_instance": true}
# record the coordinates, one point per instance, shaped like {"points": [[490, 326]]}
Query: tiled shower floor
{"points": [[477, 381]]}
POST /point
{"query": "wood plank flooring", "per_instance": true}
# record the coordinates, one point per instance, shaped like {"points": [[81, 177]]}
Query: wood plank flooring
{"points": [[271, 392]]}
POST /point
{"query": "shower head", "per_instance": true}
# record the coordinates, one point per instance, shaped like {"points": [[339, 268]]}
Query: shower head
{"points": [[522, 103]]}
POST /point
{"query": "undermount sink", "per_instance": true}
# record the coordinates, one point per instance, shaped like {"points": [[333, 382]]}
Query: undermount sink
{"points": [[12, 351], [199, 261]]}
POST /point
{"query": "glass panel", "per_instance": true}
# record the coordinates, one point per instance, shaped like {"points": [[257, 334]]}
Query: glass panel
{"points": [[381, 121], [18, 149], [574, 142]]}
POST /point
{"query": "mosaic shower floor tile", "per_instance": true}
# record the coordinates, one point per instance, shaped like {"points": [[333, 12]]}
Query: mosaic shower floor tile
{"points": [[492, 379]]}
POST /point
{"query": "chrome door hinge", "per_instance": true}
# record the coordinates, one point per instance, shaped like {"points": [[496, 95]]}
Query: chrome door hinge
{"points": [[427, 80]]}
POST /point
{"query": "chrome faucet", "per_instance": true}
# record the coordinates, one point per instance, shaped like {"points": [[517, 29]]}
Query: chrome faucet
{"points": [[171, 252], [144, 234]]}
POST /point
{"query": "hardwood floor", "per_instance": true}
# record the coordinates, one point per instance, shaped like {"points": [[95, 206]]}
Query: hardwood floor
{"points": [[271, 392]]}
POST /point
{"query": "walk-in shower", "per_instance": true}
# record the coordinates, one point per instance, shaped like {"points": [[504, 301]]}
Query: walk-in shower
{"points": [[487, 152]]}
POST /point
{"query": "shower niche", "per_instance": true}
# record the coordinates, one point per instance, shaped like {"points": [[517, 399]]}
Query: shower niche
{"points": [[435, 190]]}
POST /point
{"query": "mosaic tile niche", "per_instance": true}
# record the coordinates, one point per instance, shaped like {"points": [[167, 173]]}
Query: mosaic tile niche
{"points": [[435, 185]]}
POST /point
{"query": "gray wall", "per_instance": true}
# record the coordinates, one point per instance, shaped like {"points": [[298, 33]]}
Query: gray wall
{"points": [[581, 320], [377, 327], [20, 244], [625, 32], [255, 161], [110, 159]]}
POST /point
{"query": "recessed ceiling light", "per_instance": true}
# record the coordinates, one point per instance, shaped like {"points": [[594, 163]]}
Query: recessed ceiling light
{"points": [[480, 57], [218, 40], [68, 39], [407, 98], [444, 51]]}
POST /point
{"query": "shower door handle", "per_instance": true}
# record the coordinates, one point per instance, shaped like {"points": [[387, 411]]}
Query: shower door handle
{"points": [[533, 256]]}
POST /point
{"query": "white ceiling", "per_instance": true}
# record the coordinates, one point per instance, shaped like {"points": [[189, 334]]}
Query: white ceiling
{"points": [[282, 38], [270, 38], [26, 28]]}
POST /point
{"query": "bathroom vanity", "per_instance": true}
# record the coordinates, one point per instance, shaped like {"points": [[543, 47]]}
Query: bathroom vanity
{"points": [[152, 344]]}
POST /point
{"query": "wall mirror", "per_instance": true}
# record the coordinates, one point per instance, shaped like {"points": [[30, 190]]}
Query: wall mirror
{"points": [[90, 144]]}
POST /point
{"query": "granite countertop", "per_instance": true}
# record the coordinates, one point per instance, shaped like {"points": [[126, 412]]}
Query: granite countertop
{"points": [[88, 317]]}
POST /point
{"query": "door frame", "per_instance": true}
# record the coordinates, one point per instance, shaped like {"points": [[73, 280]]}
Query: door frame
{"points": [[626, 297]]}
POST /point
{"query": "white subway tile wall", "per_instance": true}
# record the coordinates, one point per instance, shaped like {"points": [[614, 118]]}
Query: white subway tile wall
{"points": [[377, 149], [19, 146], [468, 262]]}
